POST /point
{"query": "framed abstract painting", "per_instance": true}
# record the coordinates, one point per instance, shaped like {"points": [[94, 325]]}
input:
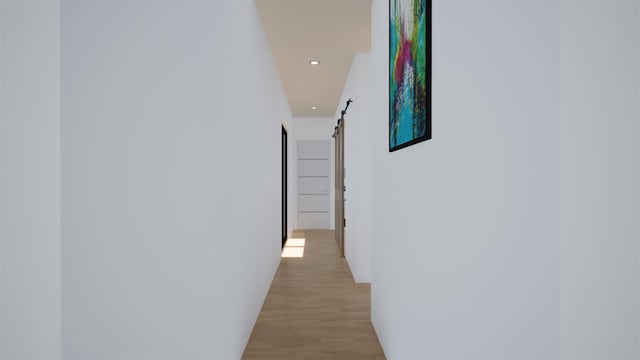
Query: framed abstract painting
{"points": [[409, 72]]}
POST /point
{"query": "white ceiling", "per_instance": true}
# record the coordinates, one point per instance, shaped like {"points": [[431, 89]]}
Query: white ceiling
{"points": [[331, 31]]}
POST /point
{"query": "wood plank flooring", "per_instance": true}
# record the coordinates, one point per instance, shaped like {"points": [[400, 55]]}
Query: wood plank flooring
{"points": [[314, 310]]}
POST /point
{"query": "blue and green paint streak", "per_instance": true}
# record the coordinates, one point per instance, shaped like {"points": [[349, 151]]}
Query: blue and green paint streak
{"points": [[407, 72]]}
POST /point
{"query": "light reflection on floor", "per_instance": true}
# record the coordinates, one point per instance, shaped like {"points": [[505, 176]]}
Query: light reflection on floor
{"points": [[293, 248]]}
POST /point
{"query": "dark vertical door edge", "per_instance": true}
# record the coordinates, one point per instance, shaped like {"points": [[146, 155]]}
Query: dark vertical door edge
{"points": [[284, 186]]}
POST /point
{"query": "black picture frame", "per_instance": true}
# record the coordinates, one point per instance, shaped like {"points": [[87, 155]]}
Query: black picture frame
{"points": [[427, 135]]}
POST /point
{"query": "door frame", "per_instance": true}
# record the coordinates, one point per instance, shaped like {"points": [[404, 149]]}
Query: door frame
{"points": [[284, 188], [340, 221]]}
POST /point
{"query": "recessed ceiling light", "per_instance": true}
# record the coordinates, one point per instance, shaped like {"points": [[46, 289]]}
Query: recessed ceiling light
{"points": [[314, 107], [314, 62]]}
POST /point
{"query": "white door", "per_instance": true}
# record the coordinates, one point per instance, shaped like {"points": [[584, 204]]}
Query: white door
{"points": [[314, 167]]}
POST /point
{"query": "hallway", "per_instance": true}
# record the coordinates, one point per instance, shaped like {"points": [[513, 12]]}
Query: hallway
{"points": [[314, 310]]}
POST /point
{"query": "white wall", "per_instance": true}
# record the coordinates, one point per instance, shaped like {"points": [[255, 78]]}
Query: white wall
{"points": [[29, 179], [599, 177], [358, 147], [171, 177], [513, 233], [314, 128], [465, 225]]}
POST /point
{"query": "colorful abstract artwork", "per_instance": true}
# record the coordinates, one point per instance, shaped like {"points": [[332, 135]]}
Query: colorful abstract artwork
{"points": [[409, 72]]}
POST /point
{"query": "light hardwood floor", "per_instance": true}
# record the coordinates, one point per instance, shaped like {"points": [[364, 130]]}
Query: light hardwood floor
{"points": [[314, 310]]}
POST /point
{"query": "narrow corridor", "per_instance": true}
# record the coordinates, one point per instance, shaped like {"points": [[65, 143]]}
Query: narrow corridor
{"points": [[314, 310]]}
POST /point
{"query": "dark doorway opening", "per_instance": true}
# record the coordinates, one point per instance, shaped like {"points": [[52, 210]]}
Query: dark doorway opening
{"points": [[284, 185]]}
